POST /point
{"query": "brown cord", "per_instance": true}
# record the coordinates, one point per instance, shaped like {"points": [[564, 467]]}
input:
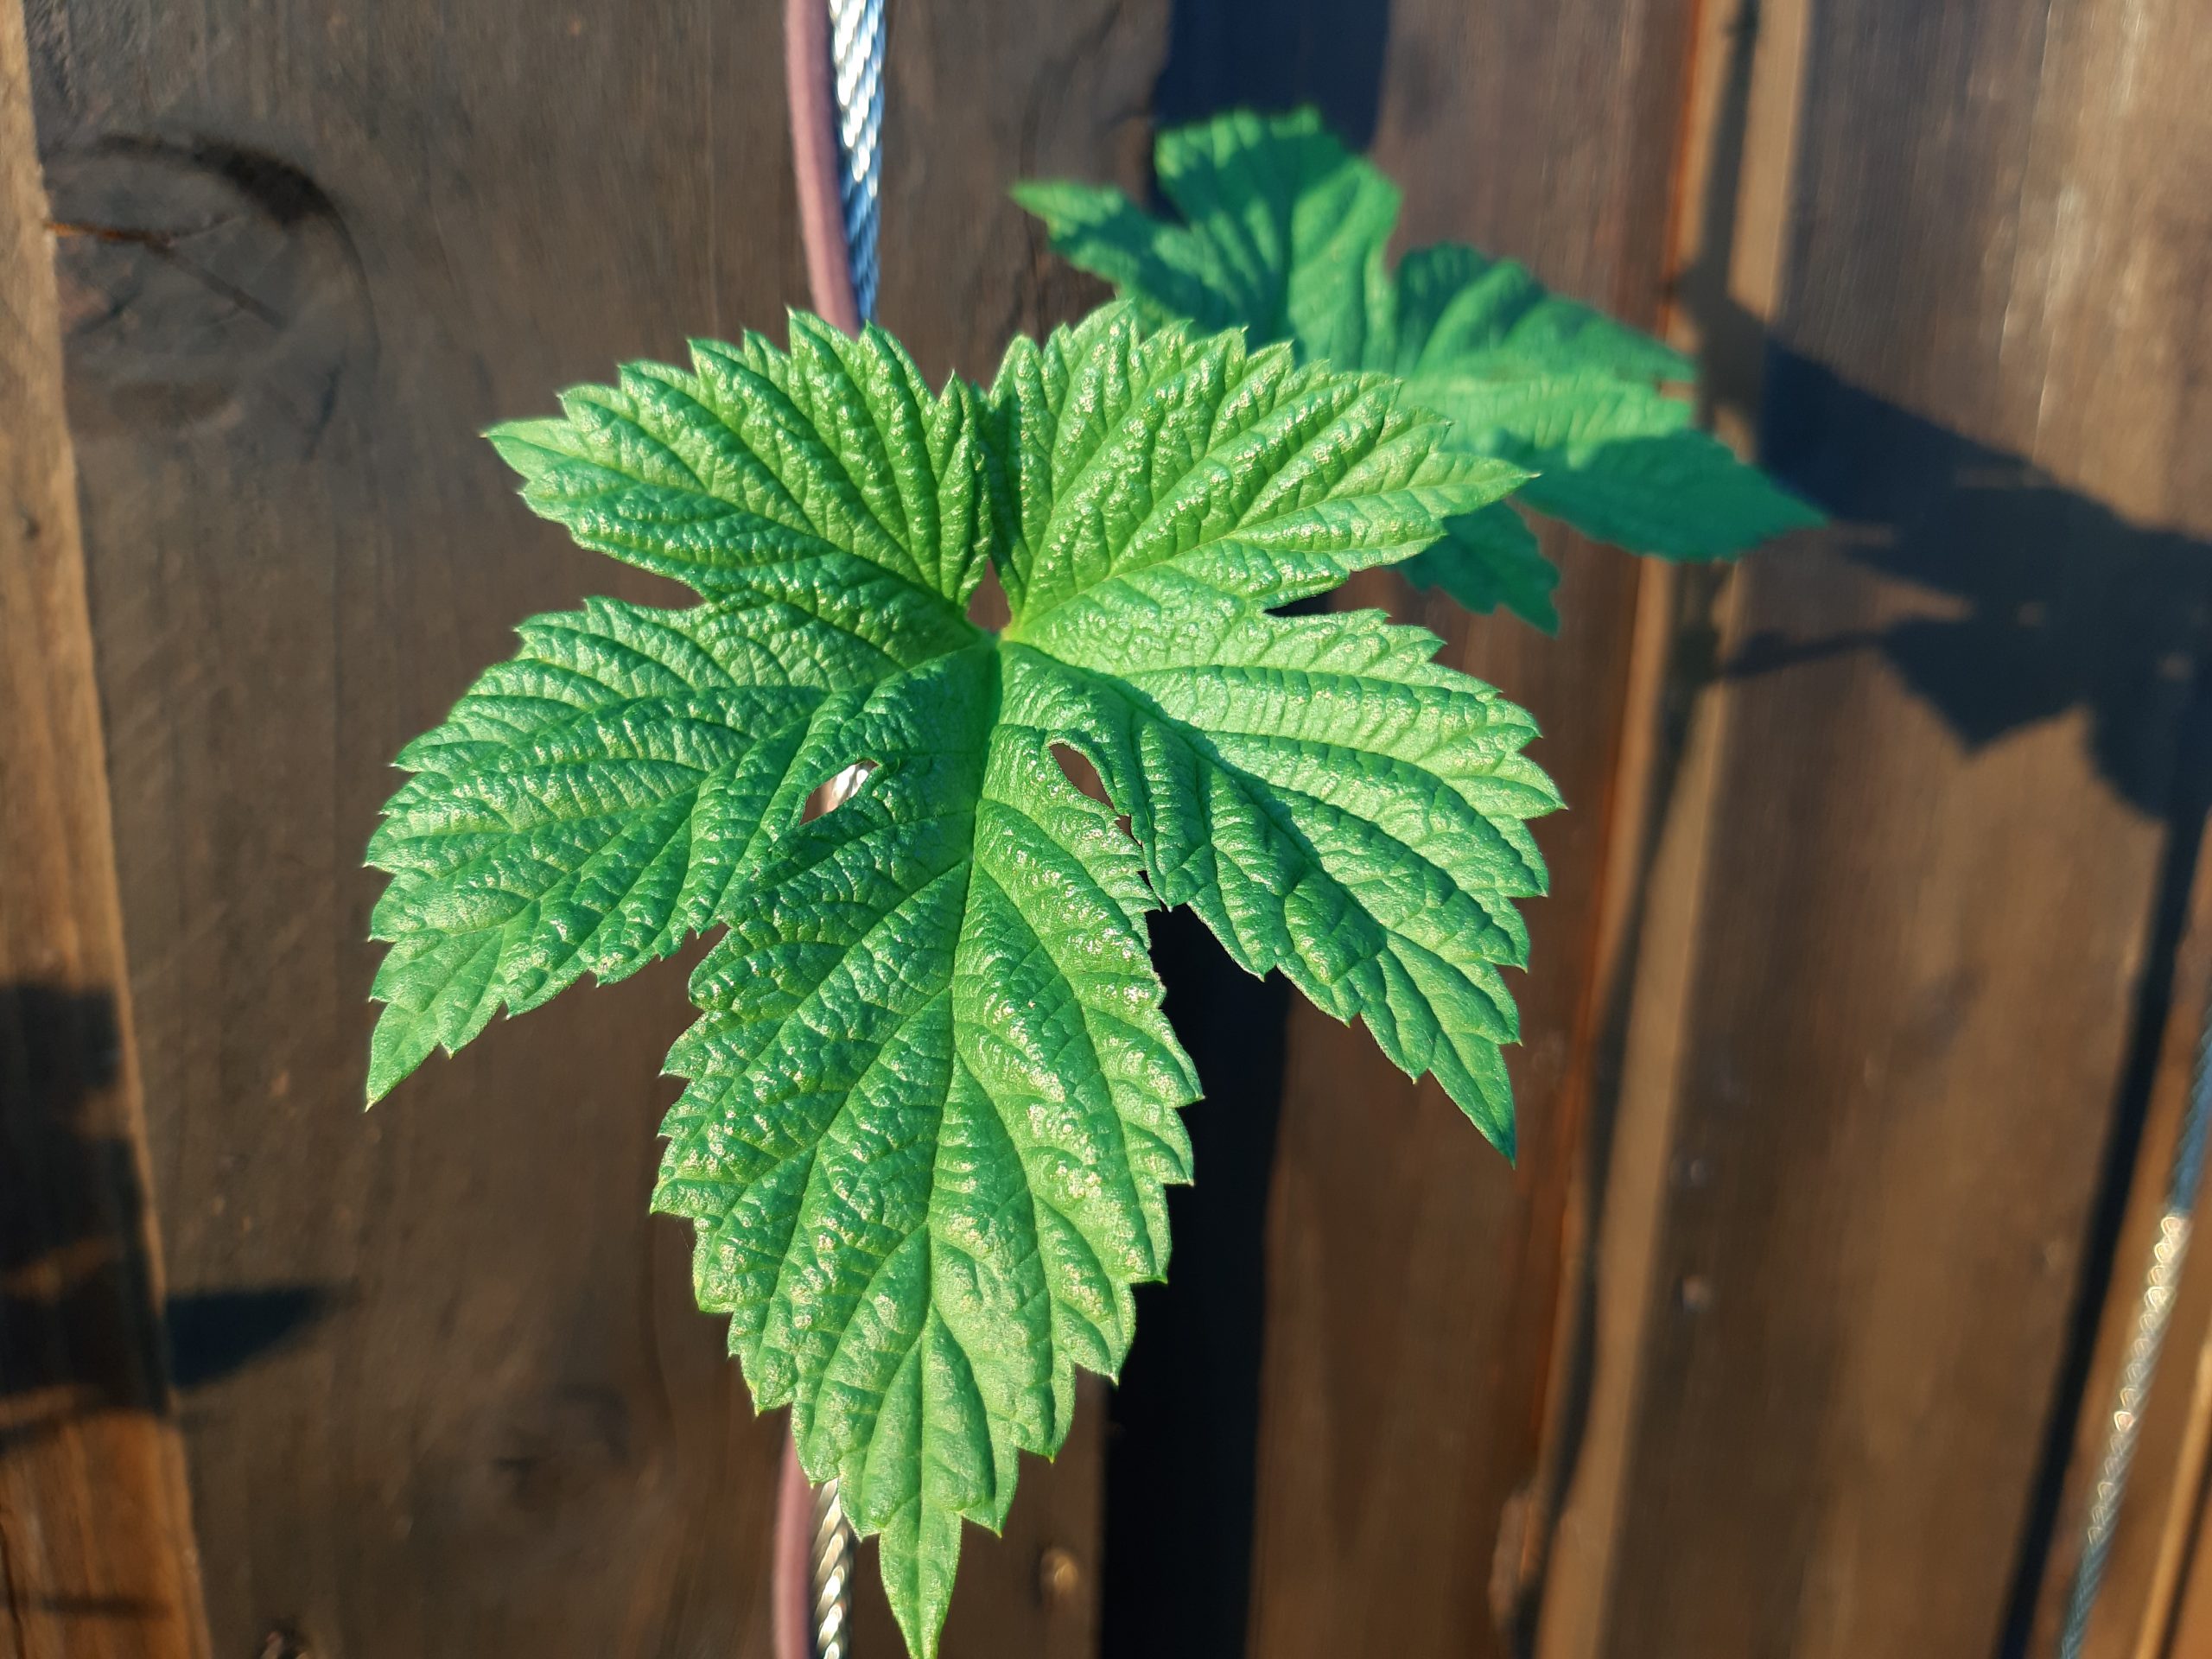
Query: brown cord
{"points": [[811, 86], [809, 81]]}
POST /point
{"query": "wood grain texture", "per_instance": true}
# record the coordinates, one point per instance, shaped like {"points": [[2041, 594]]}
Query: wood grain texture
{"points": [[1733, 211], [450, 1396], [1415, 1279], [1929, 865], [95, 1545], [2172, 1617], [2190, 1632]]}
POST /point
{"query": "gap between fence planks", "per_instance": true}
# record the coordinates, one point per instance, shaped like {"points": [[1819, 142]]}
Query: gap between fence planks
{"points": [[96, 1546]]}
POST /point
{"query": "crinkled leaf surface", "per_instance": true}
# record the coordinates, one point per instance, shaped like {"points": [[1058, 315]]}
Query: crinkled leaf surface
{"points": [[930, 1102], [1283, 233]]}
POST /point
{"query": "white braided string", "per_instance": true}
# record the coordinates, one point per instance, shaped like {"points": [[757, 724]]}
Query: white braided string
{"points": [[856, 42], [830, 1556], [830, 1545]]}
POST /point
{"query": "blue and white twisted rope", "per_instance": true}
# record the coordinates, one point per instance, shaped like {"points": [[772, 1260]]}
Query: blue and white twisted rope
{"points": [[856, 48]]}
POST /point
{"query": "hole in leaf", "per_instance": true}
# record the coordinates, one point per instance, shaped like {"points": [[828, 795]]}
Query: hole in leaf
{"points": [[1087, 777], [828, 797], [987, 605], [1083, 775]]}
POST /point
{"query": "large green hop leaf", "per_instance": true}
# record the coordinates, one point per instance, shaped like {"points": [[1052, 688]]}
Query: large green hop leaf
{"points": [[931, 1103], [1283, 234]]}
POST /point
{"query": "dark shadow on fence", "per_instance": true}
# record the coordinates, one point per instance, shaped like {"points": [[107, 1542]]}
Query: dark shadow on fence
{"points": [[80, 1333], [2015, 601], [1276, 54], [216, 1333], [1182, 1447], [1182, 1440], [2042, 602], [2047, 604], [77, 1320]]}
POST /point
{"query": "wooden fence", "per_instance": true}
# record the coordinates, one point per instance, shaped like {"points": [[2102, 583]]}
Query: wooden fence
{"points": [[1861, 1021]]}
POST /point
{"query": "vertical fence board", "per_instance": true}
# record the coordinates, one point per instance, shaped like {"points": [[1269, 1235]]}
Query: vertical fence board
{"points": [[2189, 1630], [1943, 828], [444, 1390], [2122, 124], [96, 1550], [1739, 139], [1414, 1278], [2150, 1546]]}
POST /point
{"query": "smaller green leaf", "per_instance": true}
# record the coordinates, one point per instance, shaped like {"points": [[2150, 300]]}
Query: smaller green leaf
{"points": [[1295, 226], [1160, 265], [1487, 559], [1685, 496], [1619, 461], [1283, 236], [1460, 311], [1283, 231]]}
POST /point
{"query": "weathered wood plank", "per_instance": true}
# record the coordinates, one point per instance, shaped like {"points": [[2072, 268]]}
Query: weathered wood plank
{"points": [[96, 1546], [1942, 786], [1416, 1281], [1739, 138], [452, 1396], [2190, 1632]]}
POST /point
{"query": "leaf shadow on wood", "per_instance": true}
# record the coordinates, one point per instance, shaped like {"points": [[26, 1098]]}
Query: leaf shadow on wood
{"points": [[76, 1297], [2039, 602], [2006, 600], [2020, 599], [76, 1287], [61, 1048], [2024, 601], [214, 1334]]}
